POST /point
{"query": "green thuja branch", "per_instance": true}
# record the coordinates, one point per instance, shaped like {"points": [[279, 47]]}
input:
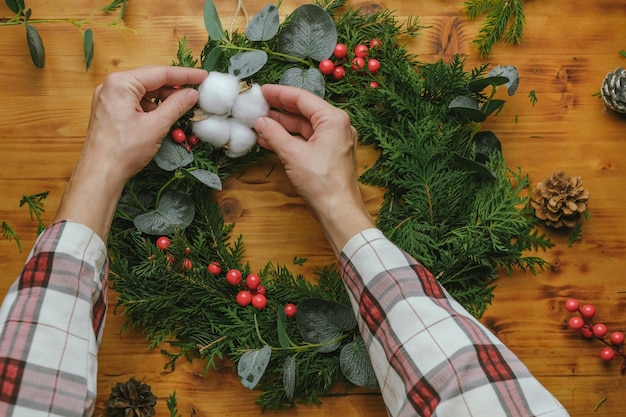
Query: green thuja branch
{"points": [[504, 21], [35, 207], [10, 234]]}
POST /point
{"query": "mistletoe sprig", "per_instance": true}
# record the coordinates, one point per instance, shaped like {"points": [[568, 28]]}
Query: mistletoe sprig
{"points": [[22, 16], [437, 206]]}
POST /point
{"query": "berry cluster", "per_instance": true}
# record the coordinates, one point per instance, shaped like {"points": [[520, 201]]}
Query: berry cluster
{"points": [[179, 136], [163, 243], [589, 330], [359, 60]]}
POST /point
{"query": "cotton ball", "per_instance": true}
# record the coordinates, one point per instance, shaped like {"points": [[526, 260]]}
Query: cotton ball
{"points": [[218, 92], [250, 105], [214, 130], [242, 139]]}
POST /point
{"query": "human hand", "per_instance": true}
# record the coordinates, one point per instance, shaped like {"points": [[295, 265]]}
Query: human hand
{"points": [[320, 161], [125, 132]]}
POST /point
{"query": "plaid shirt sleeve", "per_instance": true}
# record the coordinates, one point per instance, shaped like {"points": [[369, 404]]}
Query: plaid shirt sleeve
{"points": [[51, 325], [431, 357]]}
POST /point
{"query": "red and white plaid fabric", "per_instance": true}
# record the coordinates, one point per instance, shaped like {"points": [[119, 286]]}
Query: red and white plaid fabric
{"points": [[431, 357], [51, 325]]}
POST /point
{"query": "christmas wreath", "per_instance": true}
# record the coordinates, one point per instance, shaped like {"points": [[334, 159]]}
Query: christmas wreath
{"points": [[450, 200]]}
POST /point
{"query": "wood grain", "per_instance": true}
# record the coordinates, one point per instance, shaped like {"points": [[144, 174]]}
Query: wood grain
{"points": [[567, 49]]}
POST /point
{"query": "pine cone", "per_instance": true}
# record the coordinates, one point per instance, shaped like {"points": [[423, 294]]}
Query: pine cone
{"points": [[559, 201], [614, 90], [131, 399]]}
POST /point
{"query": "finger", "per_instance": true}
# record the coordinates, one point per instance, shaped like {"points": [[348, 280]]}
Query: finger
{"points": [[294, 100], [175, 106], [293, 123], [154, 77], [147, 105], [273, 136]]}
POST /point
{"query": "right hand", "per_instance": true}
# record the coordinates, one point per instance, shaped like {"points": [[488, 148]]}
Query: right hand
{"points": [[320, 161]]}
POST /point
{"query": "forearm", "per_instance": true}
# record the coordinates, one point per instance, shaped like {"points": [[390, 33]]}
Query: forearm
{"points": [[430, 356], [51, 325]]}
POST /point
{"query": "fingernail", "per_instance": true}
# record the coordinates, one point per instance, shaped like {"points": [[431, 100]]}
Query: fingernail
{"points": [[259, 124]]}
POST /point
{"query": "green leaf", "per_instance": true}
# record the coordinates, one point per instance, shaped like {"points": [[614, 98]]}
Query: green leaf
{"points": [[35, 46], [283, 337], [88, 42], [492, 106], [245, 64], [310, 79], [174, 212], [16, 6], [468, 106], [211, 60], [311, 33], [323, 322], [480, 84], [289, 377], [172, 156], [264, 25], [208, 178], [510, 72], [252, 365], [486, 143], [481, 170], [212, 21], [356, 365]]}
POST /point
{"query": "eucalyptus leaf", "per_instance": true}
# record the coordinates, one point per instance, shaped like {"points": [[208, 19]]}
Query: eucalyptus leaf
{"points": [[310, 79], [323, 322], [510, 72], [245, 64], [211, 60], [175, 211], [172, 156], [264, 25], [310, 33], [133, 205], [35, 46], [212, 21], [481, 170], [356, 365], [481, 83], [486, 142], [491, 106], [281, 327], [468, 106], [289, 377], [252, 365], [208, 178], [88, 43], [16, 6]]}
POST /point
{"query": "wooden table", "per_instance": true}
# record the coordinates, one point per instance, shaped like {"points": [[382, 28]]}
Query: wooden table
{"points": [[568, 47]]}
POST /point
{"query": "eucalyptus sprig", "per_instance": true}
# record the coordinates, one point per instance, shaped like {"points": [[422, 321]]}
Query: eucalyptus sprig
{"points": [[23, 16]]}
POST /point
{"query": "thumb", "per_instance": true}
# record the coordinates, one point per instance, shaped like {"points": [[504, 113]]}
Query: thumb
{"points": [[272, 135], [176, 105]]}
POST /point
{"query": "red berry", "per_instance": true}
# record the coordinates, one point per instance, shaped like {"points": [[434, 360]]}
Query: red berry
{"points": [[571, 305], [260, 290], [599, 330], [233, 277], [361, 51], [326, 66], [374, 84], [375, 43], [193, 140], [163, 243], [253, 281], [617, 338], [187, 265], [586, 332], [187, 250], [373, 65], [215, 268], [341, 50], [338, 72], [243, 298], [607, 354], [179, 135], [588, 311], [290, 310], [358, 63], [170, 258], [576, 323], [259, 301]]}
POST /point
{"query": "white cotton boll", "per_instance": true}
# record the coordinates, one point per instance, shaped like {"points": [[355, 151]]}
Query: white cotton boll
{"points": [[250, 105], [242, 139], [218, 92], [214, 130]]}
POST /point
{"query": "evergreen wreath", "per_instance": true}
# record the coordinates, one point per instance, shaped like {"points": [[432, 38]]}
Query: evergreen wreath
{"points": [[450, 201]]}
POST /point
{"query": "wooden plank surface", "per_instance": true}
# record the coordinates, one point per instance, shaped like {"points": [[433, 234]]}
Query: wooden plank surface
{"points": [[568, 47]]}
